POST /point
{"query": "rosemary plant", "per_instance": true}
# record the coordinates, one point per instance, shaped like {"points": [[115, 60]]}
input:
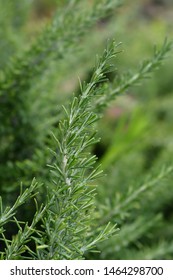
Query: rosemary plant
{"points": [[67, 221]]}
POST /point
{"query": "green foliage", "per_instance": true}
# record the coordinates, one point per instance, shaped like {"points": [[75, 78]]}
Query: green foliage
{"points": [[71, 210]]}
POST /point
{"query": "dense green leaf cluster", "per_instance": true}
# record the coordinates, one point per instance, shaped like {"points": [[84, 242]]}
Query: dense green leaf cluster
{"points": [[71, 207]]}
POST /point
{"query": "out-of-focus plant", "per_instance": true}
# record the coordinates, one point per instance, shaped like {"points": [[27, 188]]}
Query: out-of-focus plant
{"points": [[59, 215]]}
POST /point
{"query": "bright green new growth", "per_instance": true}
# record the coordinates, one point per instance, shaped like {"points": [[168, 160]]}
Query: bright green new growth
{"points": [[67, 224]]}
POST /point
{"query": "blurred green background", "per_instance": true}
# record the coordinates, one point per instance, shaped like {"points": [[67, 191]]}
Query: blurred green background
{"points": [[136, 131]]}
